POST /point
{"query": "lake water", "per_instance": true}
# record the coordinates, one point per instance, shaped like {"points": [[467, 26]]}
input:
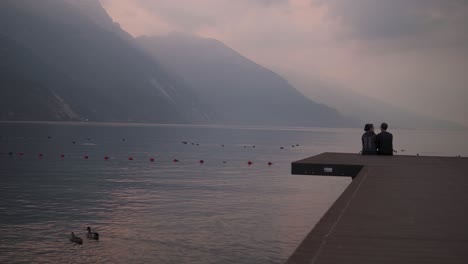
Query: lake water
{"points": [[222, 211]]}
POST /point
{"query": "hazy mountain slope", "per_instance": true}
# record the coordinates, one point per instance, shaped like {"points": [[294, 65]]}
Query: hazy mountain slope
{"points": [[29, 88], [238, 90], [368, 109], [110, 79], [94, 11]]}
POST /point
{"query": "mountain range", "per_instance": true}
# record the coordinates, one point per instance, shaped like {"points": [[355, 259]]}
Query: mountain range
{"points": [[67, 60], [238, 90], [62, 65]]}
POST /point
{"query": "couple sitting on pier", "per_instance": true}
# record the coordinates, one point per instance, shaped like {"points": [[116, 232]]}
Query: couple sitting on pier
{"points": [[381, 144]]}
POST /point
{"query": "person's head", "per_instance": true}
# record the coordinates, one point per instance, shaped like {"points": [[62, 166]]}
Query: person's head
{"points": [[369, 128], [384, 126]]}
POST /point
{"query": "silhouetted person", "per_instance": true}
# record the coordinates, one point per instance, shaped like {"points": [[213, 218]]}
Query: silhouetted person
{"points": [[384, 141], [368, 139]]}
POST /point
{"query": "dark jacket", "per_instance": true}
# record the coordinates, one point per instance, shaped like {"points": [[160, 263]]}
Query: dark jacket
{"points": [[385, 143], [369, 146]]}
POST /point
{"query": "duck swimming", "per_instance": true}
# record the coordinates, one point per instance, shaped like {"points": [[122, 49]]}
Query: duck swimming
{"points": [[92, 235], [75, 239]]}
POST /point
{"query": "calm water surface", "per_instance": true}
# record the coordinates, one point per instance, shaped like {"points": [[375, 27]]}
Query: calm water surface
{"points": [[222, 211]]}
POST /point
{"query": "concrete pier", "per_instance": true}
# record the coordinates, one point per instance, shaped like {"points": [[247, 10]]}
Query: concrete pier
{"points": [[398, 209]]}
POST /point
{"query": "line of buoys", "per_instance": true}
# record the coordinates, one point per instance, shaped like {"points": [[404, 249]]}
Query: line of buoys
{"points": [[74, 142], [192, 143], [131, 158], [253, 146]]}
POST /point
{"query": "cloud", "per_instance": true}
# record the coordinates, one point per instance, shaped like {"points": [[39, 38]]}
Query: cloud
{"points": [[412, 21]]}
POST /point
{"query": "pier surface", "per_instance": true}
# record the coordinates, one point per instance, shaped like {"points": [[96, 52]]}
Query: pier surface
{"points": [[398, 209]]}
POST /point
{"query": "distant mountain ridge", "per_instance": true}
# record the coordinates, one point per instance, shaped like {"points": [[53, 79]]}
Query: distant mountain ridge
{"points": [[238, 90], [67, 60], [367, 109], [94, 68]]}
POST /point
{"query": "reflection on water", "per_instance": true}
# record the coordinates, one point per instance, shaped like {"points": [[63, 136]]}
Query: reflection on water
{"points": [[223, 211]]}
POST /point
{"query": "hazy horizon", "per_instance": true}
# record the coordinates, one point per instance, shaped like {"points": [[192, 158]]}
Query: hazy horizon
{"points": [[412, 54]]}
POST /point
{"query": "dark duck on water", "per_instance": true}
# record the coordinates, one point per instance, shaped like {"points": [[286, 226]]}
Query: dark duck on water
{"points": [[75, 239], [92, 235]]}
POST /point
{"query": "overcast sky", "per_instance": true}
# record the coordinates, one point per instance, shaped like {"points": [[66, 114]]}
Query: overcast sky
{"points": [[412, 53]]}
